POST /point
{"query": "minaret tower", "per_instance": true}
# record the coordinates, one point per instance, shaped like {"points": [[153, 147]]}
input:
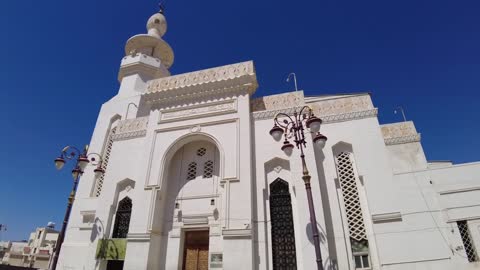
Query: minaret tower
{"points": [[148, 57]]}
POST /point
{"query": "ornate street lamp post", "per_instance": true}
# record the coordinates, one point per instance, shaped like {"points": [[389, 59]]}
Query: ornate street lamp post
{"points": [[294, 128], [82, 159]]}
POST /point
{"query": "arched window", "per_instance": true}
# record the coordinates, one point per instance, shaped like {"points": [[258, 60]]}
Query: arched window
{"points": [[283, 233], [122, 218]]}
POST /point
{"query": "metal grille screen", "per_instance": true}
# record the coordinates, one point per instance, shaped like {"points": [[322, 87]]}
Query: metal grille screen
{"points": [[122, 219], [283, 233], [467, 241], [346, 175]]}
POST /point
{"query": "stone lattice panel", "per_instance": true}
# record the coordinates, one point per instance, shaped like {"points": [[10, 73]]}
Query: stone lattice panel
{"points": [[192, 171], [105, 158], [208, 169], [467, 241], [347, 178]]}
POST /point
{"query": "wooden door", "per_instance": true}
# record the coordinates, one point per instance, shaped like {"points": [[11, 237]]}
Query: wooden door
{"points": [[195, 255]]}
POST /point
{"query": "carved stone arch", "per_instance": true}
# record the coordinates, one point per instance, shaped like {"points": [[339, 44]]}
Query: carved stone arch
{"points": [[182, 141], [340, 147], [124, 184], [277, 164]]}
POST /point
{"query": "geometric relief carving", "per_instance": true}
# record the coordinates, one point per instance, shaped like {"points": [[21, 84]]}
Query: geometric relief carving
{"points": [[283, 232], [204, 110], [275, 102], [342, 105], [131, 128], [346, 175]]}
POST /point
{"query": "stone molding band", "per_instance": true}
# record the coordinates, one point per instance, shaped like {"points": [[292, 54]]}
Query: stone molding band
{"points": [[403, 139], [262, 115]]}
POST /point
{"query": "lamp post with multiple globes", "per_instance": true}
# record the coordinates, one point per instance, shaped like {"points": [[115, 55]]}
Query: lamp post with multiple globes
{"points": [[82, 159], [293, 128]]}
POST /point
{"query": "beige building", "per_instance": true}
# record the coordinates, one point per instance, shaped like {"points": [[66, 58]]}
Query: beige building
{"points": [[35, 253]]}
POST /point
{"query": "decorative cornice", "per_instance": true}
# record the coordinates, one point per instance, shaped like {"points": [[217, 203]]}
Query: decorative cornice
{"points": [[405, 139], [326, 118], [131, 128], [225, 79]]}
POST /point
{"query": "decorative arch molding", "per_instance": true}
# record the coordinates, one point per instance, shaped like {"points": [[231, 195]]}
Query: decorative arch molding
{"points": [[182, 141], [277, 165], [107, 145], [340, 147], [123, 189]]}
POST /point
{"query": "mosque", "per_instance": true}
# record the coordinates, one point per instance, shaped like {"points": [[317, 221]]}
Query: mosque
{"points": [[194, 180]]}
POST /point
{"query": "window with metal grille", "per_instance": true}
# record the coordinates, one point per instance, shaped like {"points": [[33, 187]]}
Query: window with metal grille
{"points": [[467, 241], [105, 157], [208, 169], [201, 152], [283, 234], [192, 171], [122, 218], [353, 209]]}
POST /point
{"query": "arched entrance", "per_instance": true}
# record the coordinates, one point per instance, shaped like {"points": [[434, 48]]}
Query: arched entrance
{"points": [[190, 195]]}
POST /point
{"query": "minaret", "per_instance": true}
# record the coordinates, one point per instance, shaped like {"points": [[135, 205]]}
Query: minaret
{"points": [[148, 57]]}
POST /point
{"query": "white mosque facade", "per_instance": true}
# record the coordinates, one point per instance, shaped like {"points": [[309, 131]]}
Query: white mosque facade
{"points": [[193, 180]]}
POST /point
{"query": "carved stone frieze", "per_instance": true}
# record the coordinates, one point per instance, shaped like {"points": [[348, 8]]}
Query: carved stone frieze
{"points": [[342, 105], [131, 128], [275, 102], [213, 81], [335, 109], [397, 133], [198, 111]]}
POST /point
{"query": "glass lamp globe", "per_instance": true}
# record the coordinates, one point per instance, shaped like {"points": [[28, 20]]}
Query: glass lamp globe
{"points": [[99, 171], [276, 133], [76, 173], [313, 123], [287, 148], [319, 141], [83, 162], [59, 162]]}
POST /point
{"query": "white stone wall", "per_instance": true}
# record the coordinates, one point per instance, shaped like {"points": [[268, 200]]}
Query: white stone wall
{"points": [[409, 208]]}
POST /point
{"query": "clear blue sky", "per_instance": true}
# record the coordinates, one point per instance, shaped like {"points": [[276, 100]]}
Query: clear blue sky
{"points": [[59, 63]]}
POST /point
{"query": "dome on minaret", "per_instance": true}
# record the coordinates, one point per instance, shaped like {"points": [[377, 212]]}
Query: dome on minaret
{"points": [[157, 25], [152, 43]]}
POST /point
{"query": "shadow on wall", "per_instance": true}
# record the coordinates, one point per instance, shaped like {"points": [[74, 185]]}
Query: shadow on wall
{"points": [[97, 230], [327, 234]]}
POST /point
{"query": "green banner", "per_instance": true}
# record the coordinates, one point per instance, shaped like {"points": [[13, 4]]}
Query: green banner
{"points": [[111, 249]]}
